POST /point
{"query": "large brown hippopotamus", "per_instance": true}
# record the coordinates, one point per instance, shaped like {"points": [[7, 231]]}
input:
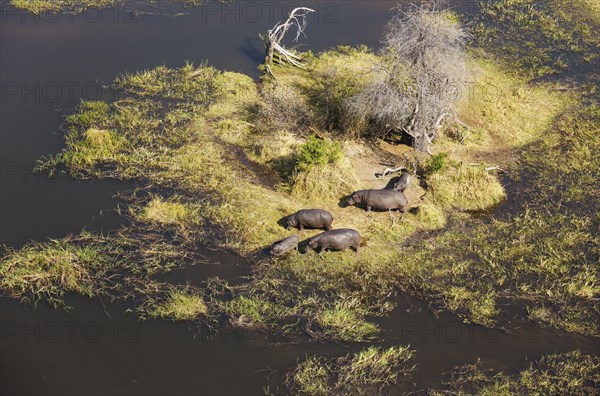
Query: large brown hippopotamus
{"points": [[309, 218], [285, 245], [340, 239], [379, 200]]}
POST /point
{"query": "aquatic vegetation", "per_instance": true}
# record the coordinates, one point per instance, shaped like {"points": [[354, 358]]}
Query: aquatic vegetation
{"points": [[47, 271], [370, 370], [40, 6], [169, 212], [571, 373], [545, 255], [538, 38], [174, 304]]}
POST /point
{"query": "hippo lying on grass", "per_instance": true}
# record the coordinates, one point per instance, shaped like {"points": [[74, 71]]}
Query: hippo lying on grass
{"points": [[285, 245], [378, 199], [309, 218], [340, 239], [399, 183]]}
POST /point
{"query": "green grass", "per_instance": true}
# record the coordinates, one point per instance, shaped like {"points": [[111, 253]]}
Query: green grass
{"points": [[538, 38], [41, 6], [179, 304], [466, 187], [164, 213], [543, 257], [371, 370], [572, 373], [345, 322], [49, 270]]}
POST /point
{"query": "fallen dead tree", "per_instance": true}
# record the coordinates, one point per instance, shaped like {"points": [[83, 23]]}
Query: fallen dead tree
{"points": [[297, 20]]}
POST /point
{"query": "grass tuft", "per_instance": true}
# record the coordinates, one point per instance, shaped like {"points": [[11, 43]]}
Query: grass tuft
{"points": [[571, 373], [370, 370], [177, 305]]}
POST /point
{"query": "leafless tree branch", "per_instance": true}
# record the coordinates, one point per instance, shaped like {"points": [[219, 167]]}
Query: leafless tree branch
{"points": [[296, 19]]}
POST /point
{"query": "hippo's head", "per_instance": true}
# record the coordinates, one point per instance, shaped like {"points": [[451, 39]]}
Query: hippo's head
{"points": [[290, 223], [352, 199], [275, 250], [311, 245]]}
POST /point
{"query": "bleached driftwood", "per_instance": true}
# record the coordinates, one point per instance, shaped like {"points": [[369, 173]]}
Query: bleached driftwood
{"points": [[297, 19]]}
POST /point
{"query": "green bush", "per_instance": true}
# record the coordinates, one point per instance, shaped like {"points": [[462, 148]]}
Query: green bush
{"points": [[436, 163], [317, 152]]}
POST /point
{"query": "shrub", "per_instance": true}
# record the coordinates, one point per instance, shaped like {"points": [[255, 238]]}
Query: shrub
{"points": [[436, 163], [317, 152]]}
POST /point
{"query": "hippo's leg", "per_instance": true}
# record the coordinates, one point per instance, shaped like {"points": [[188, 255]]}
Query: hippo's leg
{"points": [[301, 227], [368, 208]]}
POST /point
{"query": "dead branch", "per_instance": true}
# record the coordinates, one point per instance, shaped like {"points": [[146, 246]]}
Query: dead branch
{"points": [[490, 168], [387, 171], [270, 72], [297, 19]]}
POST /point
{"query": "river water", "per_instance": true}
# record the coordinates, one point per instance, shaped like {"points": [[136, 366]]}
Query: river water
{"points": [[48, 65]]}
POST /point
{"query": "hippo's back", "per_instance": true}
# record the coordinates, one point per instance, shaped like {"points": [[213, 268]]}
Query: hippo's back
{"points": [[343, 234], [384, 197], [314, 213]]}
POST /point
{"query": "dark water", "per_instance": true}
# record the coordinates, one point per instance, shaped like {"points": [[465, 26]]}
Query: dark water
{"points": [[47, 66]]}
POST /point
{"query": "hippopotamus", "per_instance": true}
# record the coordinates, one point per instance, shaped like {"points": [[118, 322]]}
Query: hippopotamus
{"points": [[379, 199], [285, 245], [340, 239], [399, 183], [309, 218]]}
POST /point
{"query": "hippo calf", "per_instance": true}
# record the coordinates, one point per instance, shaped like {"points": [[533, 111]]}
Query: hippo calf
{"points": [[399, 183], [285, 245], [379, 199], [340, 239], [310, 218]]}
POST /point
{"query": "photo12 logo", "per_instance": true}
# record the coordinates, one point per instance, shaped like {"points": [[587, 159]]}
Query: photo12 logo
{"points": [[128, 11], [457, 332], [118, 12], [266, 11], [68, 332], [64, 92]]}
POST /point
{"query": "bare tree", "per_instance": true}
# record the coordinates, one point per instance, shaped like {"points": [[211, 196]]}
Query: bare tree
{"points": [[296, 19], [423, 66]]}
